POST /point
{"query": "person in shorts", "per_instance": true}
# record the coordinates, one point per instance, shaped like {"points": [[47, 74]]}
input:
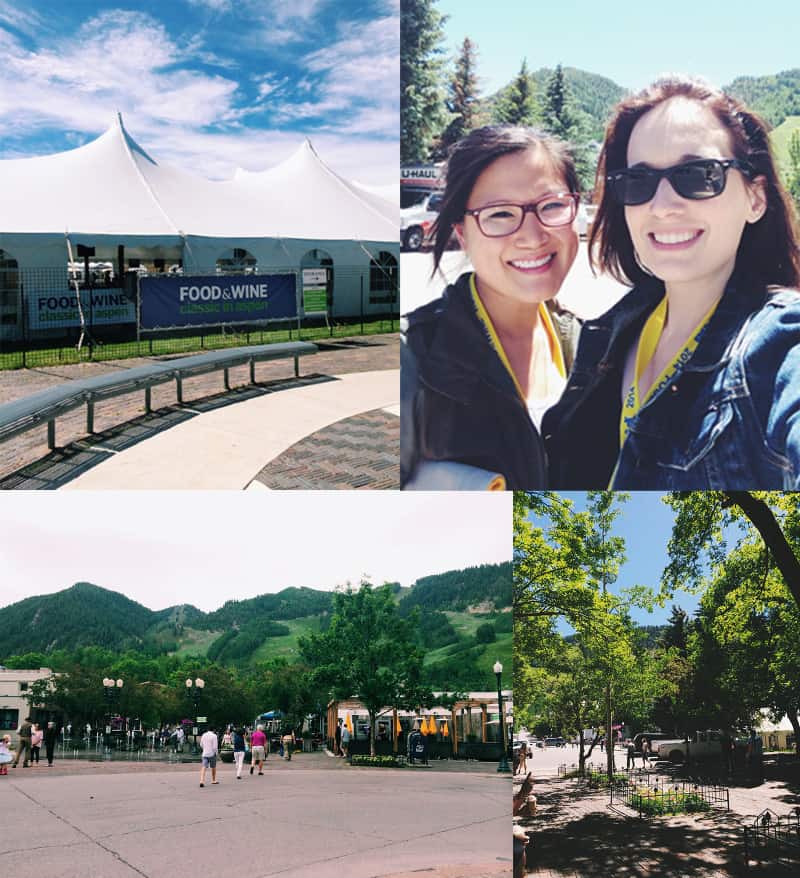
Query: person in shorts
{"points": [[210, 745], [258, 743]]}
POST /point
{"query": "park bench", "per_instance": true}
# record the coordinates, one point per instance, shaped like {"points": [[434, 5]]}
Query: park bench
{"points": [[46, 406]]}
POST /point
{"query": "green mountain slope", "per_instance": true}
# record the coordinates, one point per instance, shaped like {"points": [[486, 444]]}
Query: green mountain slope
{"points": [[83, 615]]}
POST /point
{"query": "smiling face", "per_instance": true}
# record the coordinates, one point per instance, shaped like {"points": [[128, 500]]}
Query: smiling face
{"points": [[686, 242], [529, 266]]}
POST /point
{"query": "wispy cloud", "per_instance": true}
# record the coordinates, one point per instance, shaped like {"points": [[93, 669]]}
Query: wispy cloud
{"points": [[194, 101]]}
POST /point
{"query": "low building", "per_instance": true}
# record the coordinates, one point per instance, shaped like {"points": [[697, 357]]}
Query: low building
{"points": [[458, 731], [14, 688], [775, 735]]}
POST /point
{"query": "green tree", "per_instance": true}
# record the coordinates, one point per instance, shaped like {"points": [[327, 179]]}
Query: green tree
{"points": [[793, 174], [485, 633], [462, 99], [563, 119], [369, 652], [517, 104], [422, 108]]}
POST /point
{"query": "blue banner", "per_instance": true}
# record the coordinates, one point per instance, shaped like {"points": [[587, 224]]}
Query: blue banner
{"points": [[101, 306], [197, 301]]}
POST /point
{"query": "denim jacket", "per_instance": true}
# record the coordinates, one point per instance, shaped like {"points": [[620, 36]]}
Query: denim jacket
{"points": [[730, 420]]}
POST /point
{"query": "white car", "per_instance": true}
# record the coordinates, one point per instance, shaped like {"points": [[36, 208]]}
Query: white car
{"points": [[416, 222]]}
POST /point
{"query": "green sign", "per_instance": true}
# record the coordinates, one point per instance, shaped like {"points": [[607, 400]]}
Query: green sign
{"points": [[315, 299]]}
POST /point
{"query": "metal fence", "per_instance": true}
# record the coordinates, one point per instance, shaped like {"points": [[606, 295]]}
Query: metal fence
{"points": [[774, 838], [45, 320], [652, 797]]}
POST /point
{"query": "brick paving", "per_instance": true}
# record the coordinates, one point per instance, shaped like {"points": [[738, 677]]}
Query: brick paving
{"points": [[362, 451], [576, 833], [26, 462]]}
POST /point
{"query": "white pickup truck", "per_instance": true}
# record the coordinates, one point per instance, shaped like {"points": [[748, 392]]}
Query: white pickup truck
{"points": [[702, 745], [417, 221]]}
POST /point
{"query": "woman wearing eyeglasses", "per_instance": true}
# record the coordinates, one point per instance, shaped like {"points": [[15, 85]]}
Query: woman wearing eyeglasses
{"points": [[692, 381], [480, 365]]}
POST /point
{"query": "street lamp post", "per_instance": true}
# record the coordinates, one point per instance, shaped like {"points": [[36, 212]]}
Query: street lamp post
{"points": [[503, 766], [111, 689], [194, 689]]}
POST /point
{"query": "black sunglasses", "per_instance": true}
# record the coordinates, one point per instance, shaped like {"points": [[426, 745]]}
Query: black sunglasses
{"points": [[697, 179]]}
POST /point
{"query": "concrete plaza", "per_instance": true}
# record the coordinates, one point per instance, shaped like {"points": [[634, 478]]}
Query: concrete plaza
{"points": [[313, 816]]}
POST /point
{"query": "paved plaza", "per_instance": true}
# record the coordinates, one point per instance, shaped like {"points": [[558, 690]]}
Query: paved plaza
{"points": [[337, 426], [313, 816], [577, 833]]}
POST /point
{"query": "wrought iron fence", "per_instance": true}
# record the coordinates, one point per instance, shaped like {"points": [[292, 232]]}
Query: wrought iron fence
{"points": [[653, 796], [45, 320], [773, 837]]}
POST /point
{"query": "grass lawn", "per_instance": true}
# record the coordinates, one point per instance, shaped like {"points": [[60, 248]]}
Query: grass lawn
{"points": [[779, 139], [190, 344]]}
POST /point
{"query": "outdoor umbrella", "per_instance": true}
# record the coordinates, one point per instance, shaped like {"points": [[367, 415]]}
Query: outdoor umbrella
{"points": [[397, 727], [349, 723], [445, 730]]}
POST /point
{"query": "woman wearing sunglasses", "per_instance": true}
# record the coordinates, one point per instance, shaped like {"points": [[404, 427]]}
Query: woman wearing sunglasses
{"points": [[692, 381], [480, 365]]}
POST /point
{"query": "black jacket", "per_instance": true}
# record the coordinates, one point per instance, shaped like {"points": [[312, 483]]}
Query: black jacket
{"points": [[457, 400]]}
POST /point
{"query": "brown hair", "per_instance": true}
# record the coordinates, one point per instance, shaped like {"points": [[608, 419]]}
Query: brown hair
{"points": [[470, 157], [768, 250]]}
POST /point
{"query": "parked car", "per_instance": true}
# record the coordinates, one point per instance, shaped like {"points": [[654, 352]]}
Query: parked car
{"points": [[653, 738], [416, 222], [555, 742]]}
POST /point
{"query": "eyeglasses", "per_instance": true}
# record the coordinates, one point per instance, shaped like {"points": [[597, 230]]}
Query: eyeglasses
{"points": [[499, 220], [696, 180]]}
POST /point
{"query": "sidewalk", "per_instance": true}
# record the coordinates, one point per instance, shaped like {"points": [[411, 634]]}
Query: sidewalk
{"points": [[225, 440], [576, 833]]}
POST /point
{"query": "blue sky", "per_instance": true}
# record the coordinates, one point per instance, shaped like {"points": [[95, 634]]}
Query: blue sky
{"points": [[646, 524], [630, 43], [207, 85]]}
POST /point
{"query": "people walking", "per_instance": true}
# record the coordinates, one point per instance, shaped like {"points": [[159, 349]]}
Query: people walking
{"points": [[345, 742], [646, 754], [631, 761], [24, 747], [239, 749], [50, 738], [258, 744], [337, 739], [210, 746], [36, 742]]}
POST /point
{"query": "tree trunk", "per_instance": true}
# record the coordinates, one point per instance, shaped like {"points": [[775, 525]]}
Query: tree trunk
{"points": [[371, 732], [767, 525], [793, 719], [609, 736]]}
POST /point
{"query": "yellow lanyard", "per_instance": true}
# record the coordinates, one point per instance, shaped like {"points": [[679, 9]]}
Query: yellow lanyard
{"points": [[648, 340], [494, 339]]}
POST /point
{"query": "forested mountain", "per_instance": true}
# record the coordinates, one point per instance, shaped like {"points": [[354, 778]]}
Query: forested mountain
{"points": [[452, 607], [487, 586], [593, 95], [774, 97], [291, 603], [83, 615]]}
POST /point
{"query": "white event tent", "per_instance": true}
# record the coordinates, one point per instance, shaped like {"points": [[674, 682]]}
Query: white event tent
{"points": [[111, 193]]}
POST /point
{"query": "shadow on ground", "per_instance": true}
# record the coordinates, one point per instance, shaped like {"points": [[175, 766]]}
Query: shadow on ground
{"points": [[64, 464]]}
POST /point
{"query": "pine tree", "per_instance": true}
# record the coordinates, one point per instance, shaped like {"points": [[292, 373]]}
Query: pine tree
{"points": [[518, 106], [557, 113], [561, 118], [422, 109], [462, 101]]}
